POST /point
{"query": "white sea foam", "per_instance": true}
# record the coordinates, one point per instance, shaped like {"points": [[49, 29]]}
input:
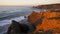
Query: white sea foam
{"points": [[8, 21]]}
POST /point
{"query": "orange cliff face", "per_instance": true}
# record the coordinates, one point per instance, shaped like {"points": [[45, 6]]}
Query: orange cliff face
{"points": [[34, 16], [50, 20]]}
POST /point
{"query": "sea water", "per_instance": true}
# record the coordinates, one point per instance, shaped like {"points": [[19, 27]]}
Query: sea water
{"points": [[9, 13]]}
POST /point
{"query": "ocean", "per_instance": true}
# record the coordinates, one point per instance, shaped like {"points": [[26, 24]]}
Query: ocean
{"points": [[9, 13]]}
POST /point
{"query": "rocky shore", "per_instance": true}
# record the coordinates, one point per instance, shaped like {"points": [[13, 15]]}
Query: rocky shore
{"points": [[46, 22]]}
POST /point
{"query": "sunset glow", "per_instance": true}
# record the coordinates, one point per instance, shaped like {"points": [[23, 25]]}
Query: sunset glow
{"points": [[26, 2]]}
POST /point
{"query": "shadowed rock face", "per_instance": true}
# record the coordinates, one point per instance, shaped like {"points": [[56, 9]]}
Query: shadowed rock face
{"points": [[14, 27], [18, 28]]}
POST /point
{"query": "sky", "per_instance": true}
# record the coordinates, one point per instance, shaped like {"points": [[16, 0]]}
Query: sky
{"points": [[26, 2]]}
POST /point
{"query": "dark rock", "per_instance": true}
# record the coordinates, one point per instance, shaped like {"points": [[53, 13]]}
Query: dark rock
{"points": [[19, 28], [14, 27]]}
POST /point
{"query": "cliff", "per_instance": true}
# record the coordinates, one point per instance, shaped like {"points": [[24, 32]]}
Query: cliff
{"points": [[48, 20], [48, 6]]}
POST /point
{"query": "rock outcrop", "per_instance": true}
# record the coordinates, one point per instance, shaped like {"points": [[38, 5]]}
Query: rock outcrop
{"points": [[20, 28]]}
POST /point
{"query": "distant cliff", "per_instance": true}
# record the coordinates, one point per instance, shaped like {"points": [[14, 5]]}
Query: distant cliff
{"points": [[48, 6]]}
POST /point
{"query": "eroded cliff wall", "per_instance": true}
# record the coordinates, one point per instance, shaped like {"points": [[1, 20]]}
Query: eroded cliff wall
{"points": [[50, 20]]}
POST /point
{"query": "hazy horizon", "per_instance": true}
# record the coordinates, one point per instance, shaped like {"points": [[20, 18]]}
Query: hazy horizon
{"points": [[26, 2]]}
